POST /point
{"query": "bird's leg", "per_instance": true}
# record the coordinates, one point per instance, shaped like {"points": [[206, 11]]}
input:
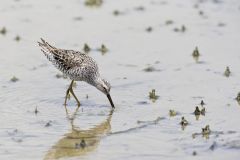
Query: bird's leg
{"points": [[71, 90], [65, 102], [67, 92]]}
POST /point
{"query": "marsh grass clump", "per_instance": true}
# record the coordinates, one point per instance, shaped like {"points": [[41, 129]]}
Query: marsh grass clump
{"points": [[176, 29], [183, 28], [17, 38], [153, 96], [93, 3], [202, 103], [79, 18], [206, 131], [103, 49], [183, 123], [149, 29], [221, 24], [201, 13], [197, 111], [86, 48], [3, 31], [227, 72], [36, 110], [194, 153], [196, 52], [48, 124], [203, 111], [169, 22], [14, 79], [116, 12], [172, 113], [238, 98], [149, 69]]}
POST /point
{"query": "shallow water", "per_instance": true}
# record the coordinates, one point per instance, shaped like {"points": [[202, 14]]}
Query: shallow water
{"points": [[138, 128]]}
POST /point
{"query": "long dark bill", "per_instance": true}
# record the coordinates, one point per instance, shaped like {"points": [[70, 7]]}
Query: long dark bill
{"points": [[110, 100]]}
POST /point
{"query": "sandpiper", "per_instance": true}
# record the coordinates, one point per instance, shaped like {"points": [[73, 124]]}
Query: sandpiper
{"points": [[78, 67]]}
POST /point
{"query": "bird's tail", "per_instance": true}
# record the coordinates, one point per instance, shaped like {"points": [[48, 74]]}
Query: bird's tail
{"points": [[46, 48]]}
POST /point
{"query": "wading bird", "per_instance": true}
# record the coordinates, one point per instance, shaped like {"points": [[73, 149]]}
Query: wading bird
{"points": [[78, 67]]}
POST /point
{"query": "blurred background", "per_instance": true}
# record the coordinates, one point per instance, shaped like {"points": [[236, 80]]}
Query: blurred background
{"points": [[158, 55]]}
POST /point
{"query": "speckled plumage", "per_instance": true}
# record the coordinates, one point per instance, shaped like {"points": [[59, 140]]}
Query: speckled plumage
{"points": [[76, 65]]}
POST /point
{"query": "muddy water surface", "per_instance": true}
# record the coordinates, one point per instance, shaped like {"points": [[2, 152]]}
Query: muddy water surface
{"points": [[150, 46]]}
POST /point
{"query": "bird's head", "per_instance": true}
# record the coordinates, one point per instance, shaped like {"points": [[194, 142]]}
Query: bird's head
{"points": [[105, 87]]}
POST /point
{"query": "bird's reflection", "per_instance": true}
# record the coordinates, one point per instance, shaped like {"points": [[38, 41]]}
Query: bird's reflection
{"points": [[79, 142]]}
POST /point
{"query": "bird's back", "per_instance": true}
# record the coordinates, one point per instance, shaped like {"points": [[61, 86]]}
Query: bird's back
{"points": [[74, 64]]}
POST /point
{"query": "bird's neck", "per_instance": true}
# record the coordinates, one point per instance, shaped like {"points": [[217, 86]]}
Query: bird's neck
{"points": [[96, 81]]}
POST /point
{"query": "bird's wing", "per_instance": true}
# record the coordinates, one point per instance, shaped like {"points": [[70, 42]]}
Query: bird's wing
{"points": [[61, 58]]}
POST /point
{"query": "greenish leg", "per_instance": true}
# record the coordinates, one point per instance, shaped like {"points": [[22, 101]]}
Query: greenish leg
{"points": [[71, 91], [67, 93], [78, 103]]}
